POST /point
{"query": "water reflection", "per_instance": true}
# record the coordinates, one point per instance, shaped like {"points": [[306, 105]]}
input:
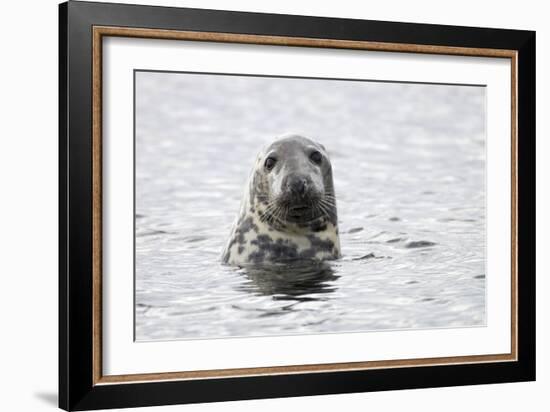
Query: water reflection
{"points": [[303, 282]]}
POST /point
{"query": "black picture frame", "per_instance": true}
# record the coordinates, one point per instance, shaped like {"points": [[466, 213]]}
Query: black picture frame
{"points": [[77, 390]]}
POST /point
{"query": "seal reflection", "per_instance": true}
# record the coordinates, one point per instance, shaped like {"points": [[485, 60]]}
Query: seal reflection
{"points": [[300, 281]]}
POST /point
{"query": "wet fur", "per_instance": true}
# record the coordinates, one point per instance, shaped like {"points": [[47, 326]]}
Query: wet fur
{"points": [[265, 232]]}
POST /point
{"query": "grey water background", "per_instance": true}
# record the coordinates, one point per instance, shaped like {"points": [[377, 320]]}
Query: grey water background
{"points": [[409, 171]]}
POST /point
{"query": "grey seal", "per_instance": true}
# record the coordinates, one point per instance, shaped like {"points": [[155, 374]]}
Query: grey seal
{"points": [[288, 211]]}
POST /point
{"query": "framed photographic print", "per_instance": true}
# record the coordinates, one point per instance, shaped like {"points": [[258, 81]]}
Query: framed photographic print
{"points": [[257, 205]]}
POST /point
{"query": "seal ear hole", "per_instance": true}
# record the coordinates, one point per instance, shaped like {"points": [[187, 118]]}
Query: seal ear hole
{"points": [[270, 163], [316, 157]]}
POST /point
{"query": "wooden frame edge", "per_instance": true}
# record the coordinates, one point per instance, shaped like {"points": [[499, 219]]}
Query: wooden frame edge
{"points": [[298, 369], [97, 136], [514, 205], [97, 34], [297, 41]]}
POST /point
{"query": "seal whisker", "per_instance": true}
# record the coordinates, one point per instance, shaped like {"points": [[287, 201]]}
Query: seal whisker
{"points": [[272, 214], [330, 205], [318, 211], [328, 202], [324, 209]]}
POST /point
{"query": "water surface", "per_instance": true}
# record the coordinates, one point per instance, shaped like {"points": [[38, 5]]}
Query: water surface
{"points": [[409, 172]]}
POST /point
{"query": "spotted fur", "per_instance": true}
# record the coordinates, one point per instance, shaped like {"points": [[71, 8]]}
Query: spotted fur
{"points": [[279, 225]]}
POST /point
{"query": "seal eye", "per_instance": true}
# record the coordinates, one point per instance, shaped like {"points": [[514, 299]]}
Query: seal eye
{"points": [[316, 157], [270, 163]]}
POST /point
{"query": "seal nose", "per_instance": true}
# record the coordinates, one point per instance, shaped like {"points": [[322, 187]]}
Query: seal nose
{"points": [[297, 185]]}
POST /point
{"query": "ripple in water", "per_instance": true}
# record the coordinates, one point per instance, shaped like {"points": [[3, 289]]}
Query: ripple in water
{"points": [[409, 171]]}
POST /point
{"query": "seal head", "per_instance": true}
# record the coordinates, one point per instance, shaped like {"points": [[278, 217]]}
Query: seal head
{"points": [[288, 211]]}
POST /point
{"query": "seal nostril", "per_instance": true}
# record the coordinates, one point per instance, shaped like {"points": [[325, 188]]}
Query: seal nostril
{"points": [[298, 186]]}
